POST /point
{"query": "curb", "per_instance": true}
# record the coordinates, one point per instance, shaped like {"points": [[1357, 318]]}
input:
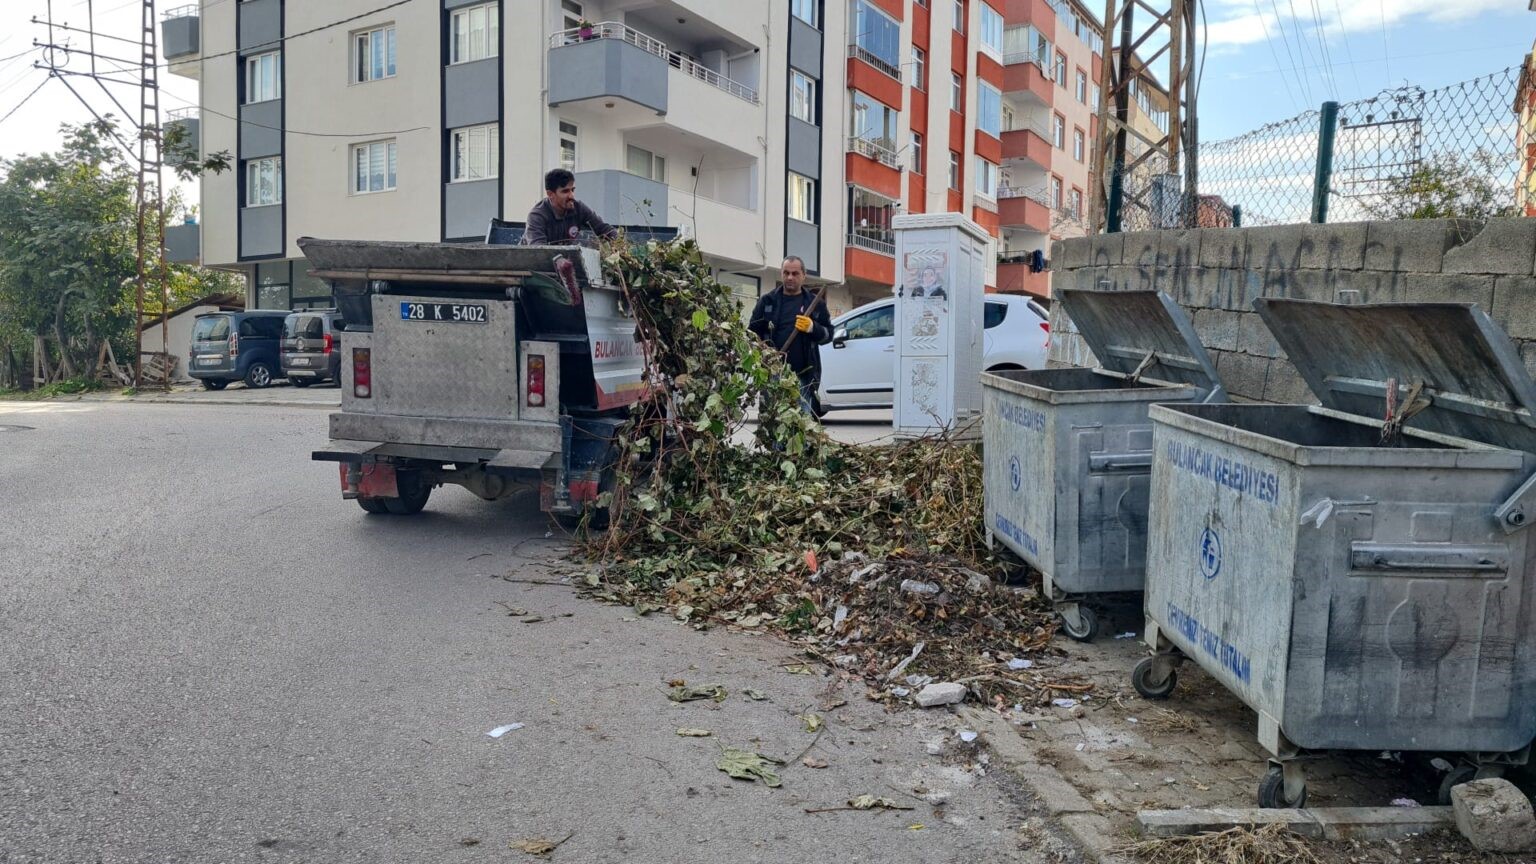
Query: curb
{"points": [[1092, 832]]}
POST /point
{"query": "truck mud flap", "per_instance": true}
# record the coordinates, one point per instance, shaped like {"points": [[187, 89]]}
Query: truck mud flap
{"points": [[589, 446]]}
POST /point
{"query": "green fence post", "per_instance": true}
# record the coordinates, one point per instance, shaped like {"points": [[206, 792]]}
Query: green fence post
{"points": [[1324, 175], [1237, 215]]}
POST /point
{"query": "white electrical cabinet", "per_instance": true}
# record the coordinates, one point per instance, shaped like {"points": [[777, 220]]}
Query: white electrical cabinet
{"points": [[941, 264]]}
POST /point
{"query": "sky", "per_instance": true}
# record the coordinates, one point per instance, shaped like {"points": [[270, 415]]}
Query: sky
{"points": [[1266, 60]]}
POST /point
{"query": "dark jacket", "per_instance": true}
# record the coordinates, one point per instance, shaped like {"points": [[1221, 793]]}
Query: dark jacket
{"points": [[773, 319], [544, 228]]}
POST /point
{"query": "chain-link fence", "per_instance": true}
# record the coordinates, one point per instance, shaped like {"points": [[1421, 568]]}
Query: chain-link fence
{"points": [[1405, 153]]}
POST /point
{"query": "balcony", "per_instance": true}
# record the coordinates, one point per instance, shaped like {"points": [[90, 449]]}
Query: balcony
{"points": [[1023, 208], [1014, 277], [1028, 143], [183, 131], [1028, 73], [183, 243], [870, 256], [874, 150], [861, 53], [624, 198], [180, 39], [613, 60]]}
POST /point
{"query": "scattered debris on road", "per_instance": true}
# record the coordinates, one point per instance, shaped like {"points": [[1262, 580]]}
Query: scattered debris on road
{"points": [[1271, 844], [863, 802], [687, 732], [502, 730], [538, 845], [686, 693], [749, 765]]}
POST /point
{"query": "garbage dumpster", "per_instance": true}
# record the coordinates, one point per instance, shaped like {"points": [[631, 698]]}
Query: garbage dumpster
{"points": [[1068, 451], [1359, 584]]}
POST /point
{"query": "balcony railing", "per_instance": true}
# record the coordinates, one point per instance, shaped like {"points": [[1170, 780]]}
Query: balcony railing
{"points": [[874, 150], [191, 10], [865, 55], [1033, 193], [1043, 60], [176, 114], [873, 242], [1022, 125], [682, 62]]}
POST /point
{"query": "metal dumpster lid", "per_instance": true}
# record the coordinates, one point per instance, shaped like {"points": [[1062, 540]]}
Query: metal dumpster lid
{"points": [[1472, 373], [1123, 327], [361, 257]]}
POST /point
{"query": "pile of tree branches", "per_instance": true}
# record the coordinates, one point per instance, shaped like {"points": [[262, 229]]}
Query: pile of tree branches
{"points": [[764, 530]]}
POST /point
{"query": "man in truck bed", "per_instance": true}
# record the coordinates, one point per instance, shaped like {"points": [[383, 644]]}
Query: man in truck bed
{"points": [[559, 218]]}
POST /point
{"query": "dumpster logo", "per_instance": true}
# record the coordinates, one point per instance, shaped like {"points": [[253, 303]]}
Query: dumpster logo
{"points": [[1015, 475], [1210, 553]]}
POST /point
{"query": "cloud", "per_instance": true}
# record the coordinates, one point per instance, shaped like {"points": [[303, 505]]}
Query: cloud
{"points": [[1242, 22]]}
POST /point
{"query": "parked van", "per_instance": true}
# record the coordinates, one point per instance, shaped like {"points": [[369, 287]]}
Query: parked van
{"points": [[311, 351], [236, 346]]}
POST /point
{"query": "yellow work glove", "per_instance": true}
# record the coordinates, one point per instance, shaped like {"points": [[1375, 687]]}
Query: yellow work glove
{"points": [[803, 323]]}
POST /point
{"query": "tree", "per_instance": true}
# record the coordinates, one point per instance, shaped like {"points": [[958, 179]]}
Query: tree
{"points": [[1448, 186], [66, 245]]}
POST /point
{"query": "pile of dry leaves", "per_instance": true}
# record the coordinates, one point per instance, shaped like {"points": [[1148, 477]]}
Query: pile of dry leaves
{"points": [[871, 557]]}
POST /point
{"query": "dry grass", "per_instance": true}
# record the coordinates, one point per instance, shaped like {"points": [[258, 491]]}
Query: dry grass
{"points": [[1164, 721], [1271, 844]]}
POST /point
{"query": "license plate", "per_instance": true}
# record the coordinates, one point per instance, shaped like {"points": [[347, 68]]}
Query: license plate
{"points": [[455, 313], [298, 361], [209, 361]]}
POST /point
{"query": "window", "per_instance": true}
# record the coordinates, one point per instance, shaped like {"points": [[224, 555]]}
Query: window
{"points": [[802, 198], [986, 178], [1077, 144], [956, 92], [872, 324], [373, 55], [873, 121], [991, 29], [568, 146], [805, 10], [959, 16], [261, 327], [263, 77], [643, 163], [1061, 69], [373, 167], [1027, 43], [476, 33], [1055, 193], [919, 68], [989, 109], [802, 96], [878, 37], [476, 152], [1095, 98], [264, 181], [1077, 203], [954, 170], [917, 153], [1059, 132], [572, 12], [993, 314]]}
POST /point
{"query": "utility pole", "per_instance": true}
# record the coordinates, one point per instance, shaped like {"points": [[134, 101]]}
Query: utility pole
{"points": [[144, 153], [1172, 32]]}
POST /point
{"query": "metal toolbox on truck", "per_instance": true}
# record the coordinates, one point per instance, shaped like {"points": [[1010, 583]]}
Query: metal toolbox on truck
{"points": [[1357, 572], [1067, 452]]}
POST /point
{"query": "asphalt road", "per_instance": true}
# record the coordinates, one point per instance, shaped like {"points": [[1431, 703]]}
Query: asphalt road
{"points": [[207, 656]]}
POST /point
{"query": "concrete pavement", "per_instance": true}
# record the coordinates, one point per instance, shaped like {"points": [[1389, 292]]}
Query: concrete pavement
{"points": [[209, 656]]}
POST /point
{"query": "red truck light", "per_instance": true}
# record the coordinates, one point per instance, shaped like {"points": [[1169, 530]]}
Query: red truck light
{"points": [[234, 344], [362, 373], [330, 342], [536, 380], [1046, 326]]}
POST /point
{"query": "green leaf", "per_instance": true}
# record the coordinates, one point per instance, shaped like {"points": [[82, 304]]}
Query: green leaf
{"points": [[700, 319]]}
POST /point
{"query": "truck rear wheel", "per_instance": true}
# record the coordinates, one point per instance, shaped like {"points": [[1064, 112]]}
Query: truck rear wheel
{"points": [[413, 494], [372, 505]]}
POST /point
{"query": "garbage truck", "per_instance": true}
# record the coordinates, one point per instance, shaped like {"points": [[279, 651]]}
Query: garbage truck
{"points": [[488, 366]]}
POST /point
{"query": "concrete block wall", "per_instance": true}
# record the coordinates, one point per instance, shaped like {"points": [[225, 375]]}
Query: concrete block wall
{"points": [[1217, 273]]}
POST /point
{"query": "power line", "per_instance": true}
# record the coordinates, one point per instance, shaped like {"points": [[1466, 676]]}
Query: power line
{"points": [[291, 36], [1276, 54], [24, 101], [1348, 52], [1322, 43], [293, 131], [1301, 82], [1386, 52]]}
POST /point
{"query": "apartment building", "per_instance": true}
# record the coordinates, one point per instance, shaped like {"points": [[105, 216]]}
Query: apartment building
{"points": [[762, 129]]}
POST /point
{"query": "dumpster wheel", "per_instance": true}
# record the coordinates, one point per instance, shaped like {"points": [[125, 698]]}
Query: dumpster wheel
{"points": [[1150, 687], [1272, 789], [1078, 621]]}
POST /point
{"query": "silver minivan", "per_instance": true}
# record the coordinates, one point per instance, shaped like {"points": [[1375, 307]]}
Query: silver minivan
{"points": [[310, 348]]}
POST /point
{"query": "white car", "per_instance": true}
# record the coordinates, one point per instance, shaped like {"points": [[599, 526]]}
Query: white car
{"points": [[859, 367]]}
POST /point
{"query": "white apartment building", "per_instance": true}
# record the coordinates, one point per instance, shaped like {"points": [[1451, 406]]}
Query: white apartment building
{"points": [[763, 128]]}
